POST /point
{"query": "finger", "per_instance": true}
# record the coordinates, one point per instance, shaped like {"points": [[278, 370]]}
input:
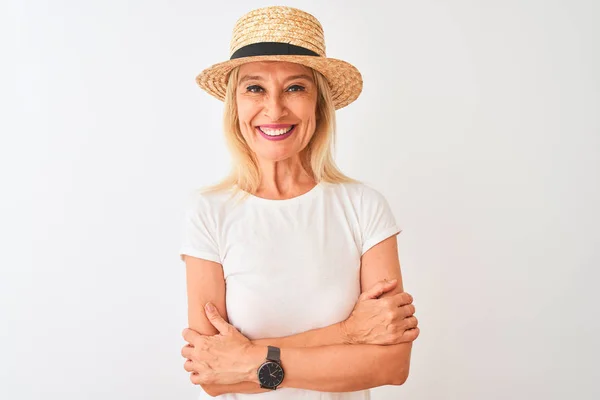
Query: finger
{"points": [[407, 310], [190, 335], [198, 378], [378, 289], [186, 351], [195, 378], [215, 318], [187, 365], [402, 299], [411, 322], [411, 335]]}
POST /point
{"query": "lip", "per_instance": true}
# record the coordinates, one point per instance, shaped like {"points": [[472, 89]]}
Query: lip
{"points": [[277, 126]]}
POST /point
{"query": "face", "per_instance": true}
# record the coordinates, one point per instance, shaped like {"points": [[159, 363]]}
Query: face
{"points": [[276, 103]]}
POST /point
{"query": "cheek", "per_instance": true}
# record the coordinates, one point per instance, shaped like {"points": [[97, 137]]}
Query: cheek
{"points": [[246, 113], [305, 109], [311, 118], [243, 111], [310, 110]]}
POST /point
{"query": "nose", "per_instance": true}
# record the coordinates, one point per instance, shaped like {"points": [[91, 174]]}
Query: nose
{"points": [[274, 108]]}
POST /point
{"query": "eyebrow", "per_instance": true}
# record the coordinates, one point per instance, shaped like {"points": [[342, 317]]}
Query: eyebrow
{"points": [[291, 78], [250, 78], [246, 78]]}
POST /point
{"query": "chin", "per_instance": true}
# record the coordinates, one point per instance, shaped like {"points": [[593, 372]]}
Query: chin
{"points": [[276, 156]]}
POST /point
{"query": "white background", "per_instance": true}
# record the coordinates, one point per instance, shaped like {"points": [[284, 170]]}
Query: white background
{"points": [[479, 121]]}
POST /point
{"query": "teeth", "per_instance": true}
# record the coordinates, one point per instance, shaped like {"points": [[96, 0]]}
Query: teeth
{"points": [[276, 132]]}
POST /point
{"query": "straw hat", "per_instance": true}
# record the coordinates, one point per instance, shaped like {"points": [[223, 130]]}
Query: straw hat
{"points": [[283, 34]]}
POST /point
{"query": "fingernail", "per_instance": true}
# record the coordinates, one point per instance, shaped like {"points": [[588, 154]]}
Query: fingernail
{"points": [[210, 307]]}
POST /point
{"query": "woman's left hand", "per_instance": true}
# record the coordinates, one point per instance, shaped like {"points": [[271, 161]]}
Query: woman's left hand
{"points": [[219, 359]]}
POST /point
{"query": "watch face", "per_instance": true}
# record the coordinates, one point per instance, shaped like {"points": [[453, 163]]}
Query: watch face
{"points": [[270, 374]]}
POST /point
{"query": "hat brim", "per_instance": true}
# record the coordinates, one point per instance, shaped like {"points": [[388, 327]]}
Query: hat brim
{"points": [[344, 79]]}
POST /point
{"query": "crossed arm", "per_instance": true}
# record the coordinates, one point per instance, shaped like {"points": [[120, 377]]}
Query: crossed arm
{"points": [[341, 366]]}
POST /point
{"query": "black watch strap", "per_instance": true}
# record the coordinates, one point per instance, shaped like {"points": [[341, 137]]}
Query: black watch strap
{"points": [[274, 354]]}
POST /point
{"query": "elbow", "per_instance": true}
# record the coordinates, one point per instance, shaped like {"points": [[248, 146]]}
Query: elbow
{"points": [[399, 378], [210, 390], [398, 357]]}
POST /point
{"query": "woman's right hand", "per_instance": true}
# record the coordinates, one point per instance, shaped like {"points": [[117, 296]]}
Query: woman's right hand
{"points": [[382, 321]]}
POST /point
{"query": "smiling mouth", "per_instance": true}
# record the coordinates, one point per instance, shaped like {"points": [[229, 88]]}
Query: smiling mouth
{"points": [[274, 132]]}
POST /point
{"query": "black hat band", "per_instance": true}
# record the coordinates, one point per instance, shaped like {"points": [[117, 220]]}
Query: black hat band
{"points": [[272, 49]]}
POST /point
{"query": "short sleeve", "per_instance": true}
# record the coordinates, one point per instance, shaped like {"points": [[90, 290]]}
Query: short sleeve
{"points": [[199, 232], [376, 219]]}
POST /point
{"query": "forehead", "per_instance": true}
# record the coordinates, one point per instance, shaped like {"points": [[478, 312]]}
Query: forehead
{"points": [[274, 69]]}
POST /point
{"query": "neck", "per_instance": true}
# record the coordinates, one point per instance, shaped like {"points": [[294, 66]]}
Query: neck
{"points": [[284, 179]]}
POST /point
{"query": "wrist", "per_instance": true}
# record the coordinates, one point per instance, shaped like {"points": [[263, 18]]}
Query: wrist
{"points": [[346, 333], [256, 355]]}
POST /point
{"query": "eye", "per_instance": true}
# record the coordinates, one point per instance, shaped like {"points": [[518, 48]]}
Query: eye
{"points": [[295, 88], [254, 89]]}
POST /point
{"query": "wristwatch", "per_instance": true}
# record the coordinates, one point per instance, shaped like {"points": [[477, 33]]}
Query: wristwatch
{"points": [[270, 373]]}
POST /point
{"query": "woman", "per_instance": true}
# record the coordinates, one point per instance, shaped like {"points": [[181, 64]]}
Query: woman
{"points": [[288, 260]]}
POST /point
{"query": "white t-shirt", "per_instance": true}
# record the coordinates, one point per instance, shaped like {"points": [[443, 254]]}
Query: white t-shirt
{"points": [[289, 265]]}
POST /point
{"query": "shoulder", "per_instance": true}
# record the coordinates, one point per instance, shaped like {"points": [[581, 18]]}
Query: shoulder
{"points": [[208, 202], [368, 203], [357, 192]]}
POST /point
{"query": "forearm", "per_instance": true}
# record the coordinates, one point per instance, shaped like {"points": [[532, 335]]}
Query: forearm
{"points": [[345, 368], [242, 387], [336, 368], [329, 335]]}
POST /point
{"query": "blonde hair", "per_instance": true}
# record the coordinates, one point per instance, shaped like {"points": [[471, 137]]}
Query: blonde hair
{"points": [[317, 157]]}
